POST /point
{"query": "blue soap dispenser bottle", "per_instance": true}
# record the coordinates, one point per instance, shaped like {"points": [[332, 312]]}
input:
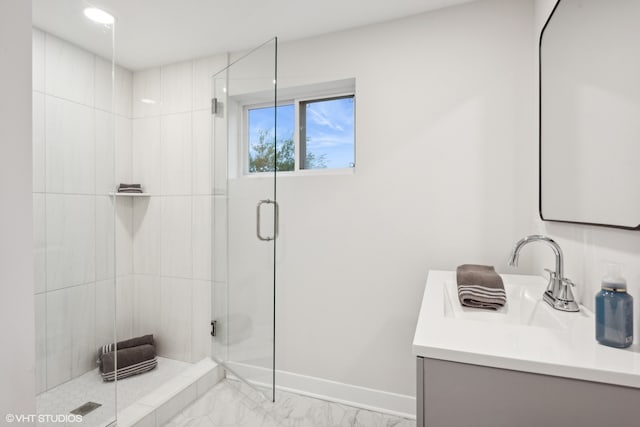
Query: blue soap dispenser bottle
{"points": [[614, 310]]}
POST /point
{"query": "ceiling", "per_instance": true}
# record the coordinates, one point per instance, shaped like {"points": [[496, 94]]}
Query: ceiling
{"points": [[154, 32]]}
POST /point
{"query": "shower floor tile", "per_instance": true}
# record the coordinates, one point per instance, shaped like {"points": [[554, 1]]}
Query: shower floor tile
{"points": [[231, 403], [89, 387]]}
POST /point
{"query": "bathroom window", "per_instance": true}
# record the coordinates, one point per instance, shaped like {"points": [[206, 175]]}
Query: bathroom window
{"points": [[311, 133], [327, 133]]}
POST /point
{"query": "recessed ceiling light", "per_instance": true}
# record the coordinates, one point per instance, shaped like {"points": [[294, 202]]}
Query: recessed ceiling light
{"points": [[148, 101], [99, 16]]}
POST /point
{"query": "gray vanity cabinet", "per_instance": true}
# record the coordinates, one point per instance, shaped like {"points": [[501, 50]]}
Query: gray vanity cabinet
{"points": [[452, 394]]}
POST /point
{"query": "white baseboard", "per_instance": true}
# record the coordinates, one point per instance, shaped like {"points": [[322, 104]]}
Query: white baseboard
{"points": [[361, 397]]}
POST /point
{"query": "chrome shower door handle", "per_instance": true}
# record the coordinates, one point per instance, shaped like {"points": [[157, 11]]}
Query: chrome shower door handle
{"points": [[276, 220]]}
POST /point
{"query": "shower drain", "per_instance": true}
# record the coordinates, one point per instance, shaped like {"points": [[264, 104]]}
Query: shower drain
{"points": [[84, 409]]}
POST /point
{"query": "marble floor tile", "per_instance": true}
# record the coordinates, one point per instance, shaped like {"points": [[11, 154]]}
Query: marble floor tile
{"points": [[232, 403]]}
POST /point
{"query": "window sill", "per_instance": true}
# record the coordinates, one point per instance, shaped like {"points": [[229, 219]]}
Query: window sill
{"points": [[301, 173]]}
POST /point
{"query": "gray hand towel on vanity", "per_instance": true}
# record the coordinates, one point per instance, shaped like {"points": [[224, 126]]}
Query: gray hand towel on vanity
{"points": [[130, 361], [479, 286]]}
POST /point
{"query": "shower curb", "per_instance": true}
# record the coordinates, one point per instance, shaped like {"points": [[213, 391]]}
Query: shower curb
{"points": [[158, 407]]}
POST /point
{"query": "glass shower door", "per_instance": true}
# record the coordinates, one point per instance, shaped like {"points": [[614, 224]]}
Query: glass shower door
{"points": [[245, 220]]}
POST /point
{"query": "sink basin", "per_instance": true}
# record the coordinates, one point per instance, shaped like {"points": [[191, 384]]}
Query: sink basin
{"points": [[524, 307], [526, 335]]}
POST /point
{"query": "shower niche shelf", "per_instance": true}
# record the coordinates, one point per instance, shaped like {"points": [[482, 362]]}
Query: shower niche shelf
{"points": [[114, 194]]}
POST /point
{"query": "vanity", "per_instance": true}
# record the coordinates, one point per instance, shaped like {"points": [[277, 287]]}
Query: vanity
{"points": [[524, 365]]}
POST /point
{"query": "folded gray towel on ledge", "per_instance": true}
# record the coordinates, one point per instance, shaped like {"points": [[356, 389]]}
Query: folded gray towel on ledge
{"points": [[120, 345], [131, 342], [130, 361], [479, 286], [130, 188]]}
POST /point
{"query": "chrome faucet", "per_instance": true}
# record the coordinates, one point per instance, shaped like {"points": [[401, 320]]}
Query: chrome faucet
{"points": [[558, 294]]}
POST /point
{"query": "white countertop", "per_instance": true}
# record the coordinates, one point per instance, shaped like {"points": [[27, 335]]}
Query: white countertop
{"points": [[571, 351]]}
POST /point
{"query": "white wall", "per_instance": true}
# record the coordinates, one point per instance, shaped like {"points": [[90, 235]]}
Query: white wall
{"points": [[81, 149], [586, 248], [172, 228], [17, 395], [443, 117]]}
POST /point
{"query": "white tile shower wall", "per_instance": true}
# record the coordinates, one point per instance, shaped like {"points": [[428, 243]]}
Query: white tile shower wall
{"points": [[105, 310], [71, 240], [70, 340], [176, 300], [146, 153], [39, 243], [176, 88], [103, 84], [37, 59], [176, 242], [147, 235], [104, 152], [172, 229], [124, 149], [38, 146], [105, 237], [69, 71], [124, 237], [201, 166], [201, 237], [41, 337], [82, 147], [146, 100], [69, 147], [586, 249], [146, 300], [175, 157]]}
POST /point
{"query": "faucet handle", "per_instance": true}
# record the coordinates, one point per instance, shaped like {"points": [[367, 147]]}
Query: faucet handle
{"points": [[553, 282], [567, 281]]}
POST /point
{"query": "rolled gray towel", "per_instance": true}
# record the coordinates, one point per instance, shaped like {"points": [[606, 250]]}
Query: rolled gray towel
{"points": [[130, 361], [130, 185], [479, 286]]}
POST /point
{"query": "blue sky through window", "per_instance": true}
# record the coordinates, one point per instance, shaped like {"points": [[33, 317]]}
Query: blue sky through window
{"points": [[329, 129], [262, 119]]}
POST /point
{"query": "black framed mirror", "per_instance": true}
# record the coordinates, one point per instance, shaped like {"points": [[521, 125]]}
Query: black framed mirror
{"points": [[590, 113]]}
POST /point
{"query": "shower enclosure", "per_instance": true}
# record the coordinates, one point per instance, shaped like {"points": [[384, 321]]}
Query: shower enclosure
{"points": [[245, 220], [75, 117], [197, 247]]}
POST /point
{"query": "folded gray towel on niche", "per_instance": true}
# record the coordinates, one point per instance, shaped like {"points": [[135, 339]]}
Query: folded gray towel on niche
{"points": [[130, 361], [479, 286], [130, 188]]}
